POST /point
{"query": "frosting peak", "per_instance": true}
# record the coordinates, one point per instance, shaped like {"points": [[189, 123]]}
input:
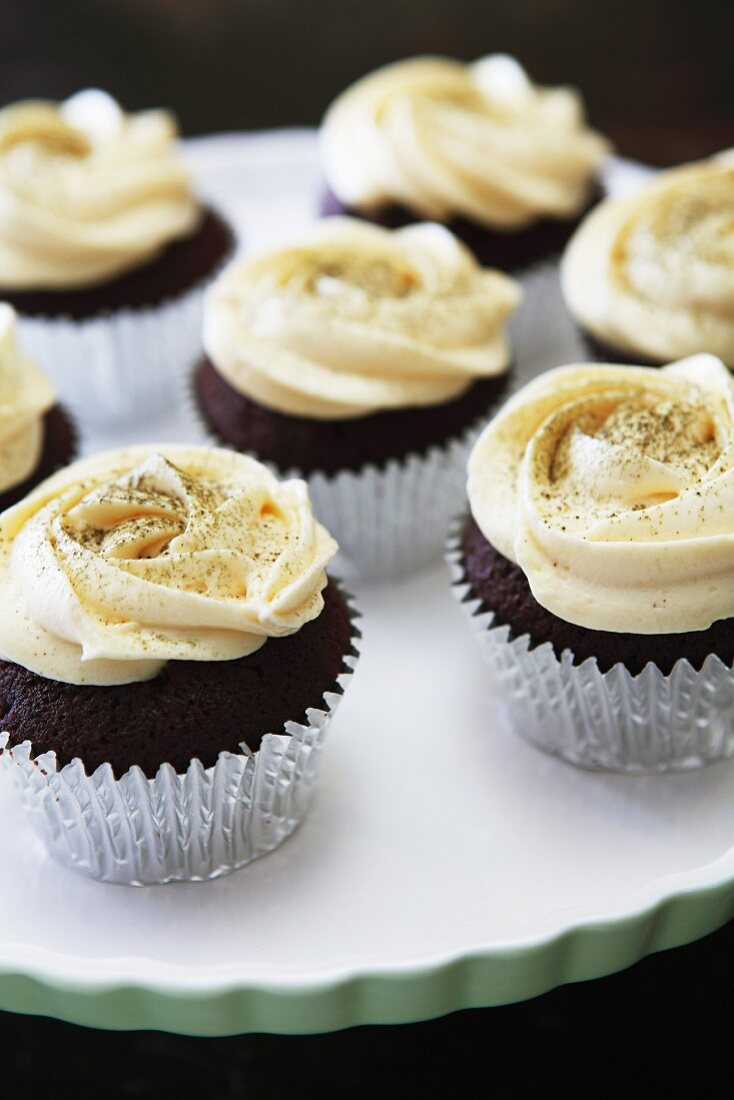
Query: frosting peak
{"points": [[653, 273], [355, 318], [133, 558], [446, 139], [86, 191], [613, 489], [26, 396]]}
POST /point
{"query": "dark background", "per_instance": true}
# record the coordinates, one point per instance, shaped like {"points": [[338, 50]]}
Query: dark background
{"points": [[658, 78], [657, 74]]}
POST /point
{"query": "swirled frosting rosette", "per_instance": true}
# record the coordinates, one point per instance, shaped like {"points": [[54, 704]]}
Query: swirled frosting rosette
{"points": [[355, 319], [130, 559], [652, 274], [87, 192], [26, 396], [447, 139], [359, 334], [610, 490]]}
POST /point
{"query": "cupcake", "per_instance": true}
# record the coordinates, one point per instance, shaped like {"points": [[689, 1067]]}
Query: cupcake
{"points": [[362, 359], [650, 277], [36, 434], [509, 166], [597, 563], [104, 249], [170, 654]]}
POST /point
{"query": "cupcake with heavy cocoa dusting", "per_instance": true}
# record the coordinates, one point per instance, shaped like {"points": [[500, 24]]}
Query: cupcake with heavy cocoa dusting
{"points": [[171, 651], [650, 277], [104, 248], [507, 165], [36, 434], [597, 563], [362, 358]]}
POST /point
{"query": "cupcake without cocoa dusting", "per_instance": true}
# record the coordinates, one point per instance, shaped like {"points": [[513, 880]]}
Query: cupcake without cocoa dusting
{"points": [[596, 565], [104, 249], [649, 278], [509, 166], [171, 651], [363, 359], [36, 434]]}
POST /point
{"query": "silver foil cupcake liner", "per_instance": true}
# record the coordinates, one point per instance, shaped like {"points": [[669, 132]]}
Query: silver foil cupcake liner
{"points": [[118, 365], [611, 721], [125, 363], [187, 827], [392, 518]]}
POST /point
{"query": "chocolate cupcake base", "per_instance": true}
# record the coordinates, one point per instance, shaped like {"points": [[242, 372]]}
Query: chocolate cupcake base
{"points": [[192, 710], [59, 449], [605, 703], [186, 821], [513, 251], [387, 506], [601, 352], [329, 446], [180, 266], [503, 589]]}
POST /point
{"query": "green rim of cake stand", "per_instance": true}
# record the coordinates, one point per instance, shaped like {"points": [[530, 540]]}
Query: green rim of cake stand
{"points": [[479, 979]]}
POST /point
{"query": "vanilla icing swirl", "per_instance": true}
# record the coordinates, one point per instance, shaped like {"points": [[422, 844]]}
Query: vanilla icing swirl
{"points": [[26, 395], [87, 192], [446, 139], [133, 558], [653, 273], [355, 318], [613, 489]]}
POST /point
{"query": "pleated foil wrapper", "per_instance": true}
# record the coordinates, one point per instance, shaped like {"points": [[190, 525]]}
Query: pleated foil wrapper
{"points": [[608, 721], [118, 365], [188, 827], [392, 518]]}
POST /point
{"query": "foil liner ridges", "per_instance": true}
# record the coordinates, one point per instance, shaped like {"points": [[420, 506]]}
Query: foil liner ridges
{"points": [[120, 364], [611, 721], [392, 518], [178, 827]]}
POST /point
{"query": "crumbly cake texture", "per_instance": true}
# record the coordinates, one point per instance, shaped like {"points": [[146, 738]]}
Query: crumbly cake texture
{"points": [[191, 710], [59, 449], [503, 589], [293, 442], [178, 268], [510, 251]]}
